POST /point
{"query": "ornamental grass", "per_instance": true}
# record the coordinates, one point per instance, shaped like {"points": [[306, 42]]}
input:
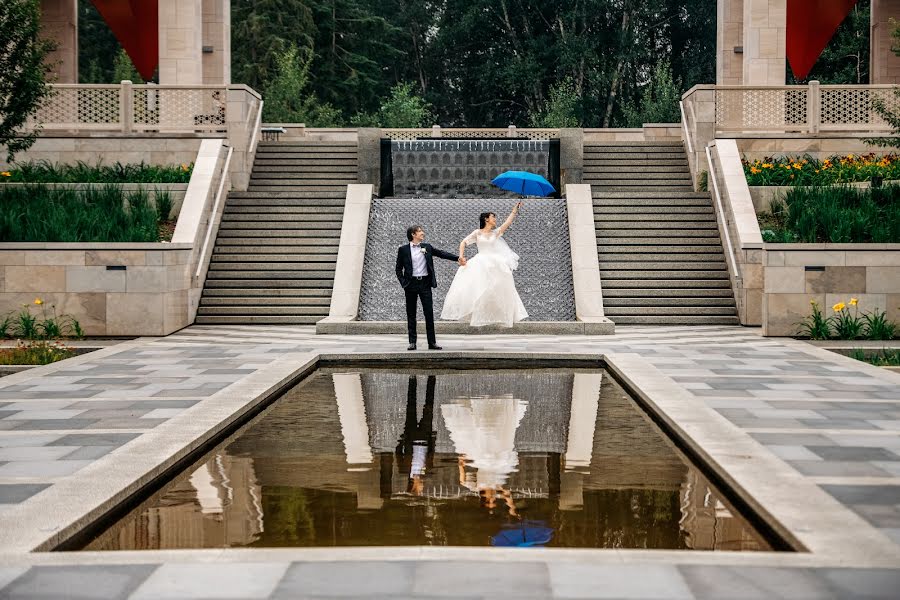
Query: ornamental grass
{"points": [[807, 170], [91, 214], [81, 172], [847, 323], [887, 357], [836, 214]]}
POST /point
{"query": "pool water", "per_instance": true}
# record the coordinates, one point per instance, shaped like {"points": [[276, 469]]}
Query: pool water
{"points": [[400, 457]]}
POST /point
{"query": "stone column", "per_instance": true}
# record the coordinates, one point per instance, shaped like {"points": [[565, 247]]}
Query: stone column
{"points": [[884, 65], [180, 42], [59, 21], [571, 156], [729, 42], [216, 42], [765, 28]]}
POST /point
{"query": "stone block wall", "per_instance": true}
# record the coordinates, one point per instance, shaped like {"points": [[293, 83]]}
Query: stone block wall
{"points": [[796, 274], [153, 150], [111, 289]]}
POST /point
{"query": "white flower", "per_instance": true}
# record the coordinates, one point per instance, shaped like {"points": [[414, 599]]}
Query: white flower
{"points": [[422, 250]]}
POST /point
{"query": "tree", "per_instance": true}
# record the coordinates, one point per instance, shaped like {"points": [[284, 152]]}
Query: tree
{"points": [[287, 99], [97, 46], [659, 99], [124, 69], [402, 109], [562, 107], [23, 72]]}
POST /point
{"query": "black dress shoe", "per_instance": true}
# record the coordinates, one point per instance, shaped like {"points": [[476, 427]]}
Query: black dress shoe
{"points": [[411, 347], [434, 347]]}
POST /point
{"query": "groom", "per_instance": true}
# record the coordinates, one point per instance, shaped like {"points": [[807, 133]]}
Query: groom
{"points": [[415, 271]]}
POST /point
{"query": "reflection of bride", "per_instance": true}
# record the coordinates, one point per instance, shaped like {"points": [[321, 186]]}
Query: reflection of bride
{"points": [[483, 291], [483, 430]]}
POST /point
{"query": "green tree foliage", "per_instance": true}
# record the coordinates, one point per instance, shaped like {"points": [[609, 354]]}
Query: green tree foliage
{"points": [[98, 48], [561, 108], [287, 98], [658, 102], [403, 108], [124, 69], [23, 72]]}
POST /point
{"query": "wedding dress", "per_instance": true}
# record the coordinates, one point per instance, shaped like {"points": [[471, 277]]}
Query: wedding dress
{"points": [[484, 292]]}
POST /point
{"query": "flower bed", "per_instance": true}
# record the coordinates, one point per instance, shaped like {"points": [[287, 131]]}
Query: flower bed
{"points": [[806, 170], [81, 172], [847, 323], [36, 213], [838, 214], [887, 357], [35, 353]]}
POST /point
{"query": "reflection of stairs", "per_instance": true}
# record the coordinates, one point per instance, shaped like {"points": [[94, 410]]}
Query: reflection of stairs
{"points": [[661, 259], [277, 245]]}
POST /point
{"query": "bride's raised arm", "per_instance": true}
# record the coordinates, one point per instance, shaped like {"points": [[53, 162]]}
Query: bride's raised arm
{"points": [[512, 215]]}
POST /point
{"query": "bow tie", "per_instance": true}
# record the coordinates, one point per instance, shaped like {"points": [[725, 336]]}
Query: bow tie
{"points": [[416, 246]]}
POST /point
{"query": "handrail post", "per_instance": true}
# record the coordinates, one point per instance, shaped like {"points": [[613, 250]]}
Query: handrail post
{"points": [[511, 131], [813, 106], [126, 106], [436, 131]]}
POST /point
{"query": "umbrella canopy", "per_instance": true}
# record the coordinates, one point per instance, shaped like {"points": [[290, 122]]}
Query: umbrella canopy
{"points": [[523, 182], [523, 535]]}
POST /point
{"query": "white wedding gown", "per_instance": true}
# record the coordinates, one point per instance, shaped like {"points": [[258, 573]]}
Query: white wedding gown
{"points": [[484, 292]]}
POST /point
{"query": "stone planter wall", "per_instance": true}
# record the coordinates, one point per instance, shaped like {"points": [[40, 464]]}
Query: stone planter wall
{"points": [[176, 191], [149, 149], [796, 274]]}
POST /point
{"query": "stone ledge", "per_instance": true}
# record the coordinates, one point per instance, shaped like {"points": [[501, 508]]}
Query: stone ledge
{"points": [[598, 326], [154, 246], [804, 247]]}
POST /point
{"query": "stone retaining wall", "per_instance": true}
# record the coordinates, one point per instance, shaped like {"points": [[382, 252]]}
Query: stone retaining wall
{"points": [[150, 149]]}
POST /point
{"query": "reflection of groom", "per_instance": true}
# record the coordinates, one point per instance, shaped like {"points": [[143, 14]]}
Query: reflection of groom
{"points": [[415, 450], [415, 271]]}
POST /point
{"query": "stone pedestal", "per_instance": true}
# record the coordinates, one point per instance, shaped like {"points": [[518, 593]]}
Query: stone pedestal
{"points": [[729, 42], [180, 42], [59, 22], [216, 49], [884, 64], [765, 28]]}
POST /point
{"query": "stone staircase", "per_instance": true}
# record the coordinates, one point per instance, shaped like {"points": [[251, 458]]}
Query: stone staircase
{"points": [[661, 258], [276, 249]]}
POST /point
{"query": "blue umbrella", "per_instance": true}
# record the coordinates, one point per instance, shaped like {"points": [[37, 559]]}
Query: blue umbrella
{"points": [[527, 534], [523, 182]]}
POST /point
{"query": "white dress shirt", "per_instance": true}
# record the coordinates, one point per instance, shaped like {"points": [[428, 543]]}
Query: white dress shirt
{"points": [[418, 260]]}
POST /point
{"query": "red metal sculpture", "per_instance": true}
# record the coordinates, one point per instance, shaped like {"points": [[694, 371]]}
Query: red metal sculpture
{"points": [[810, 26], [135, 23]]}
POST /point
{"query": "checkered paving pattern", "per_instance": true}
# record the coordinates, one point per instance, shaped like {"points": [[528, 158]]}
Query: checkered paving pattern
{"points": [[835, 421]]}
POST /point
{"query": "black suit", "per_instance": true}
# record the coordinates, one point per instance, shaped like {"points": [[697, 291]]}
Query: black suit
{"points": [[417, 432], [419, 288]]}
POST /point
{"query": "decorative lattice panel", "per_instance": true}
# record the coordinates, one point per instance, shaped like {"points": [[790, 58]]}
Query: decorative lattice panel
{"points": [[179, 109], [853, 108], [471, 134], [71, 107], [760, 108]]}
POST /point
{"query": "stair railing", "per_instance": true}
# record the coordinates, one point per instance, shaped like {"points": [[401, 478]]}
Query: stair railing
{"points": [[720, 214], [212, 215]]}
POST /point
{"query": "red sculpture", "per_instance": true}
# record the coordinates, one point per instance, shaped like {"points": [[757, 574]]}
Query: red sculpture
{"points": [[810, 26], [135, 23]]}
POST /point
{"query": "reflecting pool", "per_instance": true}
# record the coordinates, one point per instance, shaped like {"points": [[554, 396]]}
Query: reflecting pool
{"points": [[399, 457]]}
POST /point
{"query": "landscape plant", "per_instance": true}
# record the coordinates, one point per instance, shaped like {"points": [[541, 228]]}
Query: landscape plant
{"points": [[81, 172], [43, 325], [92, 214], [41, 352], [836, 214], [878, 327], [887, 357], [806, 170], [816, 326], [846, 324]]}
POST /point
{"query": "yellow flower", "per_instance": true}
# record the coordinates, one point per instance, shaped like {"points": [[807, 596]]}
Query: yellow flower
{"points": [[755, 171], [813, 302], [184, 167], [849, 157], [839, 307], [38, 301], [798, 166], [6, 174], [854, 301]]}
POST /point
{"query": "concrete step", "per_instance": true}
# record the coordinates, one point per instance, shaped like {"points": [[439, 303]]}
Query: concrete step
{"points": [[266, 265], [676, 320], [623, 302], [326, 251], [629, 311], [285, 218], [633, 153], [293, 190], [245, 284], [336, 210], [666, 216], [631, 249], [268, 310], [287, 195], [256, 320], [670, 293], [324, 175], [625, 185], [297, 182], [268, 274], [303, 244], [611, 256], [252, 257], [313, 294], [649, 195], [661, 266], [596, 165], [629, 169], [628, 209], [318, 149], [236, 301], [648, 285], [304, 203], [651, 274], [645, 173], [348, 171], [294, 226], [692, 227]]}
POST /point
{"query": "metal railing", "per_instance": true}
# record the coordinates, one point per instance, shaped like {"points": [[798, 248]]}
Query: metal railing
{"points": [[809, 108], [130, 108]]}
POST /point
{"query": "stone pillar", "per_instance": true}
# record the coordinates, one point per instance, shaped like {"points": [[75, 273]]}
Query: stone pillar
{"points": [[59, 22], [765, 28], [884, 65], [216, 42], [571, 156], [180, 42], [368, 158], [729, 42]]}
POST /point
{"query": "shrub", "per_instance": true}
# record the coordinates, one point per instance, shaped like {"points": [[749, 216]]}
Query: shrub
{"points": [[35, 353], [806, 170], [93, 214], [81, 172], [839, 214]]}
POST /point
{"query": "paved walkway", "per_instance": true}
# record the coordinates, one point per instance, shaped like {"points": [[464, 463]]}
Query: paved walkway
{"points": [[833, 420]]}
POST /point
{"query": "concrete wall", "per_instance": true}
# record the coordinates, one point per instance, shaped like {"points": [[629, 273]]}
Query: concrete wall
{"points": [[153, 150], [796, 274], [650, 132]]}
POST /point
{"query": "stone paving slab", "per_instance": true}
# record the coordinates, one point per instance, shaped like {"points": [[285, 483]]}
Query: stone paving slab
{"points": [[824, 416]]}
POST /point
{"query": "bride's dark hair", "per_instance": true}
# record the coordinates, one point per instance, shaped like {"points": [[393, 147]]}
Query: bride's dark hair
{"points": [[482, 219]]}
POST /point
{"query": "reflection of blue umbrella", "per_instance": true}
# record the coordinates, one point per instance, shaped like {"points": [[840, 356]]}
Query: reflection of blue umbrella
{"points": [[526, 534], [523, 182]]}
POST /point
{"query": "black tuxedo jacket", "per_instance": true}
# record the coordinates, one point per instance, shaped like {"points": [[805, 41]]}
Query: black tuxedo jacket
{"points": [[405, 265]]}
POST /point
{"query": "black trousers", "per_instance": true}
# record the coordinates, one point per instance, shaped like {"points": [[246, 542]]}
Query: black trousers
{"points": [[419, 289]]}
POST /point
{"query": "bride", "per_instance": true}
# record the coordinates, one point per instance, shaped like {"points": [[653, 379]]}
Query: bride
{"points": [[483, 291]]}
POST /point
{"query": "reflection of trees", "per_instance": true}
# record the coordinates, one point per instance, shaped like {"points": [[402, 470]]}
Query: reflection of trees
{"points": [[288, 518]]}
